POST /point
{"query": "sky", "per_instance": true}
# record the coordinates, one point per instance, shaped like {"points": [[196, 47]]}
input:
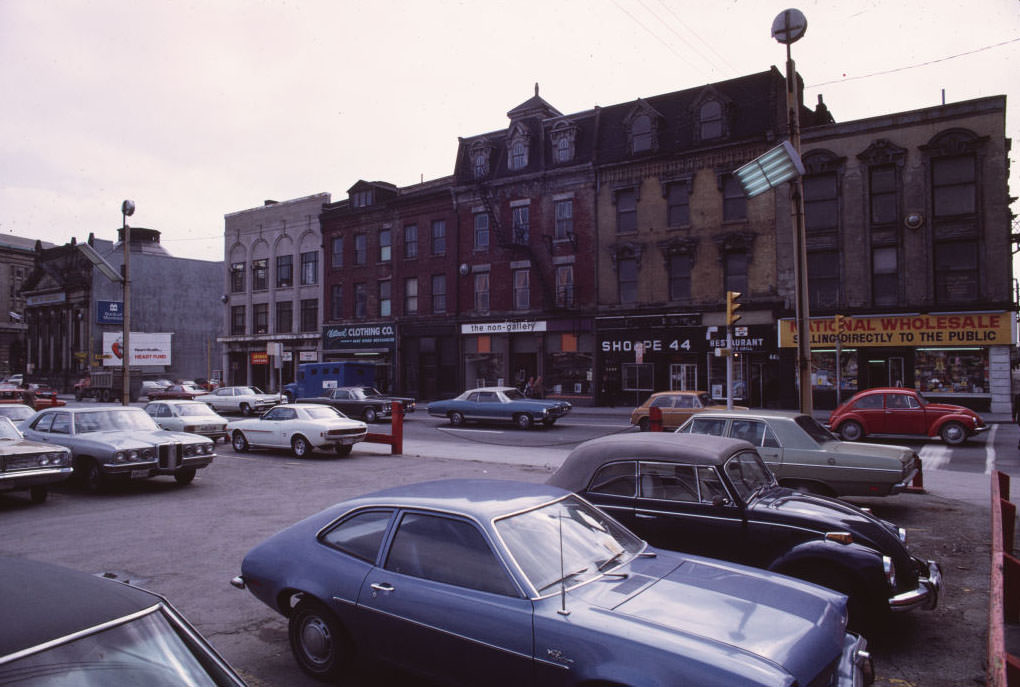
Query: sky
{"points": [[195, 109]]}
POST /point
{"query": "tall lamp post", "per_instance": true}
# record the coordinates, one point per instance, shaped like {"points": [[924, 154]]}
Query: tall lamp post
{"points": [[127, 208], [787, 28]]}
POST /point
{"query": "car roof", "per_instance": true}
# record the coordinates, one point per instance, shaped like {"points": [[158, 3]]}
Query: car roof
{"points": [[181, 402], [40, 602], [492, 388], [686, 392], [481, 499], [84, 409], [755, 413], [691, 449]]}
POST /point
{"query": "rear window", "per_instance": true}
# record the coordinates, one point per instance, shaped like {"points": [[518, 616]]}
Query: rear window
{"points": [[708, 425]]}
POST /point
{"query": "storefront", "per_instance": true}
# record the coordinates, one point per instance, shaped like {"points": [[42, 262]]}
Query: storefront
{"points": [[364, 342], [429, 361], [558, 352], [959, 358], [639, 355]]}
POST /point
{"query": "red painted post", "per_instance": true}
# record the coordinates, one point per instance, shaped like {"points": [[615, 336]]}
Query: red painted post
{"points": [[655, 419], [397, 429]]}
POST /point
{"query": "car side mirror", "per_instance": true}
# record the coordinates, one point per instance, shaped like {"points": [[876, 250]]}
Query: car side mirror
{"points": [[719, 500]]}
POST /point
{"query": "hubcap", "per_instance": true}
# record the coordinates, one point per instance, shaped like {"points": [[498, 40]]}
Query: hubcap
{"points": [[953, 433], [316, 640]]}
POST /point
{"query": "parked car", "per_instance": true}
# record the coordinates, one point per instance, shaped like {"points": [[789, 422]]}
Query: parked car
{"points": [[187, 392], [110, 443], [246, 400], [806, 456], [43, 397], [896, 410], [499, 404], [676, 407], [17, 412], [300, 427], [65, 627], [498, 582], [363, 402], [30, 466], [715, 497], [15, 379], [188, 416], [151, 385]]}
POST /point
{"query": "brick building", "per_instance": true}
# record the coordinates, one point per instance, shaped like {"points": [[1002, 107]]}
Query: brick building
{"points": [[17, 257]]}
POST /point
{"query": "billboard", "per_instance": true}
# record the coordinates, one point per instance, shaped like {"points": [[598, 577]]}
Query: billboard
{"points": [[146, 349]]}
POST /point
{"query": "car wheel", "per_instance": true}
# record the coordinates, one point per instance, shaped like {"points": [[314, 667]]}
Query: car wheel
{"points": [[344, 450], [239, 442], [91, 477], [38, 494], [862, 611], [370, 415], [319, 643], [524, 421], [643, 424], [299, 446], [245, 409], [851, 431], [456, 419], [186, 476], [953, 433]]}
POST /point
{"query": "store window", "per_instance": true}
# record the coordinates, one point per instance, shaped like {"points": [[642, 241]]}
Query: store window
{"points": [[823, 371], [951, 370]]}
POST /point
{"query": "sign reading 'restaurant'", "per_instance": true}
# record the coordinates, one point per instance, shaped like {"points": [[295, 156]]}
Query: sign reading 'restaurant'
{"points": [[953, 329]]}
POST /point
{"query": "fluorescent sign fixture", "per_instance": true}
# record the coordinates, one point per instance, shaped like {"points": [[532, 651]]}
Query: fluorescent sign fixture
{"points": [[767, 171], [108, 270]]}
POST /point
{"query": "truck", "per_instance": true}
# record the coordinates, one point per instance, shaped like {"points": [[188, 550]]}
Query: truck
{"points": [[107, 385], [317, 379]]}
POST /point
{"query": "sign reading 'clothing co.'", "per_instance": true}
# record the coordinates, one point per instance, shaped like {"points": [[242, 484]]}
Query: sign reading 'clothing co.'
{"points": [[360, 336], [952, 329]]}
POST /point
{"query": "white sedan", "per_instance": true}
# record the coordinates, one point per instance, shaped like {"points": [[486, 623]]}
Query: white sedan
{"points": [[188, 416], [240, 399], [301, 427]]}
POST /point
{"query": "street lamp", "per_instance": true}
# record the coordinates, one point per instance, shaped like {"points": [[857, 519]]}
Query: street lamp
{"points": [[787, 28], [127, 208]]}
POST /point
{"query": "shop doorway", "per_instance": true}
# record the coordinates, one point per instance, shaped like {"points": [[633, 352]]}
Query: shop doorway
{"points": [[523, 366], [889, 371]]}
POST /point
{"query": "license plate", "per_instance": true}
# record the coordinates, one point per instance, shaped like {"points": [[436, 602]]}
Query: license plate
{"points": [[139, 474]]}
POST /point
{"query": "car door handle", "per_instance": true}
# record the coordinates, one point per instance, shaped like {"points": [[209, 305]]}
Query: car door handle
{"points": [[644, 516], [382, 586]]}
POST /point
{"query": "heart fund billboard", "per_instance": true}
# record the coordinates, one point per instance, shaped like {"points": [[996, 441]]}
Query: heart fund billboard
{"points": [[146, 349]]}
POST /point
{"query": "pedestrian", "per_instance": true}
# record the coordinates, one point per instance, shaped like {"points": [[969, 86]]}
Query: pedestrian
{"points": [[537, 390], [27, 395], [529, 387]]}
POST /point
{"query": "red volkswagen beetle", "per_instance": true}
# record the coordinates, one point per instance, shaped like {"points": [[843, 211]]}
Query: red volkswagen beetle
{"points": [[894, 410]]}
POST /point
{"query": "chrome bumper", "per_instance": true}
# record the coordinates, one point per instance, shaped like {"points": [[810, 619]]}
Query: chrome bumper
{"points": [[855, 666], [925, 596]]}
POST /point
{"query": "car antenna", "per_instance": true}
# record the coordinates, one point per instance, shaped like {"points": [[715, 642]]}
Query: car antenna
{"points": [[563, 576]]}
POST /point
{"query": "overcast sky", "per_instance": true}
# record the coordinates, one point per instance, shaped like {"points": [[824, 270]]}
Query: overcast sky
{"points": [[197, 109]]}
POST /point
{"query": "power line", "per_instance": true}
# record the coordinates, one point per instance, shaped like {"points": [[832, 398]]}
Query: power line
{"points": [[914, 66]]}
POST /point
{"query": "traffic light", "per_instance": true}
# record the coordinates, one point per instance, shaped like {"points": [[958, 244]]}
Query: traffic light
{"points": [[731, 307]]}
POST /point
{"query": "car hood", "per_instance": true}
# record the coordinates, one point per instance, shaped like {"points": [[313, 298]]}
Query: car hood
{"points": [[791, 623], [825, 514], [853, 448], [947, 408], [125, 439]]}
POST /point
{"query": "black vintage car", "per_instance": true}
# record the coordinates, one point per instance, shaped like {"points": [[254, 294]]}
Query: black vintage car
{"points": [[64, 627], [716, 497], [365, 403]]}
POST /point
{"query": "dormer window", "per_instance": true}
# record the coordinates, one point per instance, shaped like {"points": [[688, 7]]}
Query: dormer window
{"points": [[518, 155], [361, 199], [481, 154], [641, 134], [563, 136], [711, 120]]}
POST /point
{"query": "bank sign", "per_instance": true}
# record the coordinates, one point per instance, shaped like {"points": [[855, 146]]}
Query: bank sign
{"points": [[952, 329], [359, 336], [109, 312]]}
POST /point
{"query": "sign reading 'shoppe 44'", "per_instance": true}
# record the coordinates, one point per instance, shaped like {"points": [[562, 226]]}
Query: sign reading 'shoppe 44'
{"points": [[359, 336]]}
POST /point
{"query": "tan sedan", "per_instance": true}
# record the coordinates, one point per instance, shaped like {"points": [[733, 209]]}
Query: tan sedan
{"points": [[676, 407]]}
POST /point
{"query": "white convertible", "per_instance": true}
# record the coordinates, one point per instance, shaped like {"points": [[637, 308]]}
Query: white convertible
{"points": [[301, 427], [240, 399]]}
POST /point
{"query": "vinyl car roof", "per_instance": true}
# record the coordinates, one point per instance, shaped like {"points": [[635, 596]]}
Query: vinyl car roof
{"points": [[692, 449], [481, 499], [40, 602]]}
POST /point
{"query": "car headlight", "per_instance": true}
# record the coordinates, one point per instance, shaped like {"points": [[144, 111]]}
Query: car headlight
{"points": [[118, 457], [146, 453], [62, 458], [902, 533], [890, 571]]}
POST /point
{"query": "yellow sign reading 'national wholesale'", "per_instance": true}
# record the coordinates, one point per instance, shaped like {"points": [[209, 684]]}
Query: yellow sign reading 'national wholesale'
{"points": [[964, 329]]}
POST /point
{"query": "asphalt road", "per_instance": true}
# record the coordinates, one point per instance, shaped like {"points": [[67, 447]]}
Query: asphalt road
{"points": [[187, 543]]}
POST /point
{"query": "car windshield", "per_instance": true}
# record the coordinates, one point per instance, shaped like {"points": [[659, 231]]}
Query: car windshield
{"points": [[146, 651], [514, 395], [120, 419], [323, 413], [195, 410], [748, 473], [565, 542], [370, 392], [814, 429], [16, 412], [8, 430]]}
